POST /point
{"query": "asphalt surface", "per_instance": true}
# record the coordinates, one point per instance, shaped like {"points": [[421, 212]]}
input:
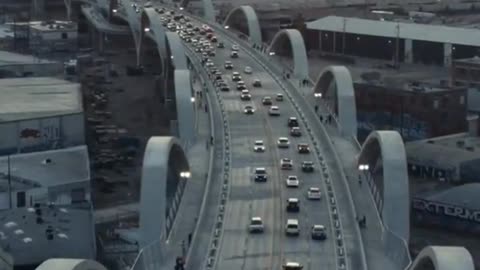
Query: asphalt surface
{"points": [[239, 248]]}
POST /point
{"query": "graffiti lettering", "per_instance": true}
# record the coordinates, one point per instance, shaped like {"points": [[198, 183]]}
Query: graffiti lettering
{"points": [[445, 209]]}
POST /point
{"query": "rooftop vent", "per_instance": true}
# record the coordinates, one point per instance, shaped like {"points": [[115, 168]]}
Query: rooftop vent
{"points": [[47, 161]]}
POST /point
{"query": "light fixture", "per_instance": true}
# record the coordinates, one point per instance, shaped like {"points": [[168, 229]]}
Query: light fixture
{"points": [[185, 174], [317, 95], [192, 99], [114, 10], [181, 8], [147, 29], [271, 53], [363, 167], [226, 26]]}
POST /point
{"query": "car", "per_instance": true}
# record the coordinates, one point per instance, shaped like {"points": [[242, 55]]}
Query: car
{"points": [[241, 86], [292, 227], [235, 47], [314, 193], [295, 132], [292, 181], [256, 225], [234, 54], [220, 45], [247, 70], [274, 111], [292, 122], [197, 50], [249, 109], [214, 39], [307, 166], [279, 97], [258, 146], [224, 88], [260, 175], [236, 77], [209, 63], [286, 164], [292, 266], [257, 83], [228, 65], [318, 232], [283, 142], [293, 205], [245, 95], [303, 148], [267, 100], [211, 53]]}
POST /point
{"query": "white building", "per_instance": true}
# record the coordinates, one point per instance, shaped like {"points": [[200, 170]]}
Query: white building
{"points": [[29, 236], [40, 113], [23, 65], [61, 177]]}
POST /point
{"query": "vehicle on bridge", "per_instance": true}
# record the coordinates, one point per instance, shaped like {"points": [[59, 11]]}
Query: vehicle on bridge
{"points": [[245, 95], [292, 227], [220, 45], [236, 77], [283, 142], [295, 132], [303, 148], [234, 54], [292, 266], [256, 225], [267, 100], [260, 175], [314, 193], [235, 47], [228, 65], [241, 85], [293, 122], [279, 97], [286, 164], [248, 70], [318, 232], [293, 205], [249, 109], [259, 146], [307, 166], [292, 181], [257, 83], [274, 111]]}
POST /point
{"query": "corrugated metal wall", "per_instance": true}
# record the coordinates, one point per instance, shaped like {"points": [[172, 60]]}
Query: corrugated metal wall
{"points": [[42, 134]]}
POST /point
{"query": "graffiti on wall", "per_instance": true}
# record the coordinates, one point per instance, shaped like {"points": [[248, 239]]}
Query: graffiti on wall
{"points": [[410, 127]]}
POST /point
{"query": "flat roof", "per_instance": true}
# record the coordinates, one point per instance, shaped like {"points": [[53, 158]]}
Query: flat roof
{"points": [[10, 58], [6, 32], [444, 151], [404, 30], [73, 233], [69, 165], [464, 196], [35, 97], [473, 60]]}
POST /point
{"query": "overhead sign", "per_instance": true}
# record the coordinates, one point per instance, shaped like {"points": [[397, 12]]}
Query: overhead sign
{"points": [[446, 209]]}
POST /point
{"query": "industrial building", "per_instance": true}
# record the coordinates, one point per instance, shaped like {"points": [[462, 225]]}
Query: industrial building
{"points": [[417, 110], [29, 236], [393, 40], [60, 176], [21, 65], [466, 72], [453, 158], [455, 209], [40, 113]]}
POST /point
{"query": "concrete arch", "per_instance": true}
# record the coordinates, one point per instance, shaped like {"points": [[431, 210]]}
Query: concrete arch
{"points": [[388, 148], [184, 104], [150, 19], [344, 97], [253, 24], [297, 43], [156, 170], [444, 258], [70, 264], [177, 50], [208, 9]]}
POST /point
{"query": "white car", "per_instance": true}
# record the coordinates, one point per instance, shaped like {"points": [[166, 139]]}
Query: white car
{"points": [[292, 266], [245, 95], [314, 193], [292, 181], [249, 109], [235, 47], [283, 142], [292, 227], [274, 111], [286, 164], [259, 146], [247, 70], [256, 225]]}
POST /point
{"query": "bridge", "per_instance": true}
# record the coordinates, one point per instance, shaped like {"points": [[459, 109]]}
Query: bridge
{"points": [[338, 158]]}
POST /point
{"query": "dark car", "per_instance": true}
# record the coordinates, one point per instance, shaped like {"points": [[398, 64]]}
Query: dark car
{"points": [[224, 88], [295, 132], [303, 148], [260, 175], [257, 83], [220, 45], [307, 166], [292, 122], [293, 205], [267, 101], [228, 65]]}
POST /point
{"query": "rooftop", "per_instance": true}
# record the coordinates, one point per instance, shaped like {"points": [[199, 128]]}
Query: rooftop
{"points": [[50, 25], [404, 30], [463, 196], [445, 151], [473, 60], [48, 168], [32, 235], [10, 58], [6, 32], [36, 97]]}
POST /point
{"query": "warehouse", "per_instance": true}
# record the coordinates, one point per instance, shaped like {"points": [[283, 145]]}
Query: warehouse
{"points": [[22, 65], [455, 208], [58, 176], [40, 113], [398, 41]]}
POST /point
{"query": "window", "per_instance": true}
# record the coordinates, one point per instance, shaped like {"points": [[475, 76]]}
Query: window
{"points": [[462, 100], [64, 35], [21, 199]]}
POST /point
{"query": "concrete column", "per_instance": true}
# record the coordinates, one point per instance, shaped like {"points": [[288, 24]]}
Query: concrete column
{"points": [[408, 51], [447, 54], [320, 41], [334, 42]]}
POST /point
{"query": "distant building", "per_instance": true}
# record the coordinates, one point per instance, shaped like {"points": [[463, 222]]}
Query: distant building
{"points": [[40, 113], [29, 236], [20, 65], [454, 209], [466, 72], [53, 36], [453, 158], [406, 42], [417, 111], [61, 177]]}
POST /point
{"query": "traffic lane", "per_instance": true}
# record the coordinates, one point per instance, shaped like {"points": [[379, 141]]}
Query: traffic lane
{"points": [[304, 249]]}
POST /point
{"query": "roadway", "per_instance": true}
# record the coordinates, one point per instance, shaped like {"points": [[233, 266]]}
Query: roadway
{"points": [[239, 249]]}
